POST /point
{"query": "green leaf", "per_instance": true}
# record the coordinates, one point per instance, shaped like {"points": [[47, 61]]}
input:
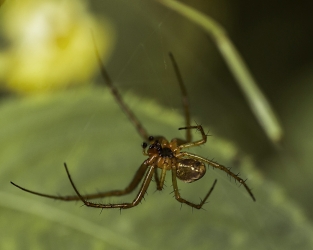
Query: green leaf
{"points": [[86, 129]]}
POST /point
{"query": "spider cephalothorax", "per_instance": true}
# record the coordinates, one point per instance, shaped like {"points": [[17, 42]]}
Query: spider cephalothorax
{"points": [[161, 154], [160, 147]]}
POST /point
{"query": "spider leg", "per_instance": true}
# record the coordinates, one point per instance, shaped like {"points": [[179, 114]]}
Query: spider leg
{"points": [[131, 116], [235, 176], [196, 143], [162, 180], [182, 200], [221, 167], [157, 179], [135, 202], [132, 185], [184, 97]]}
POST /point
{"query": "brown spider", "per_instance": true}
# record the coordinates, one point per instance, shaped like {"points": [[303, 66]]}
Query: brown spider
{"points": [[161, 154]]}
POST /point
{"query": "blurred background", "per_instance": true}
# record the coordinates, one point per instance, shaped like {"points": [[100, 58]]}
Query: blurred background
{"points": [[55, 108]]}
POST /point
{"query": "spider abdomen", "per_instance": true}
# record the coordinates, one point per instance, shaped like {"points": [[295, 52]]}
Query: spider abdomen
{"points": [[189, 170]]}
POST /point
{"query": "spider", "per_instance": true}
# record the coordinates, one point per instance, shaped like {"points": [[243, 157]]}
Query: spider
{"points": [[161, 154]]}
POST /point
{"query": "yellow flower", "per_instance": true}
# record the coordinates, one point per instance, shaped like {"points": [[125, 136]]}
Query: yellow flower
{"points": [[50, 45]]}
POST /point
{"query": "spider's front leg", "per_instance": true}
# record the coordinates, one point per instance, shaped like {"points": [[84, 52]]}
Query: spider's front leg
{"points": [[131, 186], [135, 202]]}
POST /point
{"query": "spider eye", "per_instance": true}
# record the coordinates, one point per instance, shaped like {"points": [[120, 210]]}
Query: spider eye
{"points": [[189, 170], [151, 138], [144, 145]]}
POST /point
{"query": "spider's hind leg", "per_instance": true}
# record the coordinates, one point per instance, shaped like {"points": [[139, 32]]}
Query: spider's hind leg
{"points": [[182, 200]]}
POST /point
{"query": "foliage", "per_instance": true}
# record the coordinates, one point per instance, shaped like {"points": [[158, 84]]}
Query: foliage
{"points": [[85, 128]]}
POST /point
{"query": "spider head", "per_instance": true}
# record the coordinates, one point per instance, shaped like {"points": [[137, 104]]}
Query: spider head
{"points": [[156, 148], [189, 170], [159, 146]]}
